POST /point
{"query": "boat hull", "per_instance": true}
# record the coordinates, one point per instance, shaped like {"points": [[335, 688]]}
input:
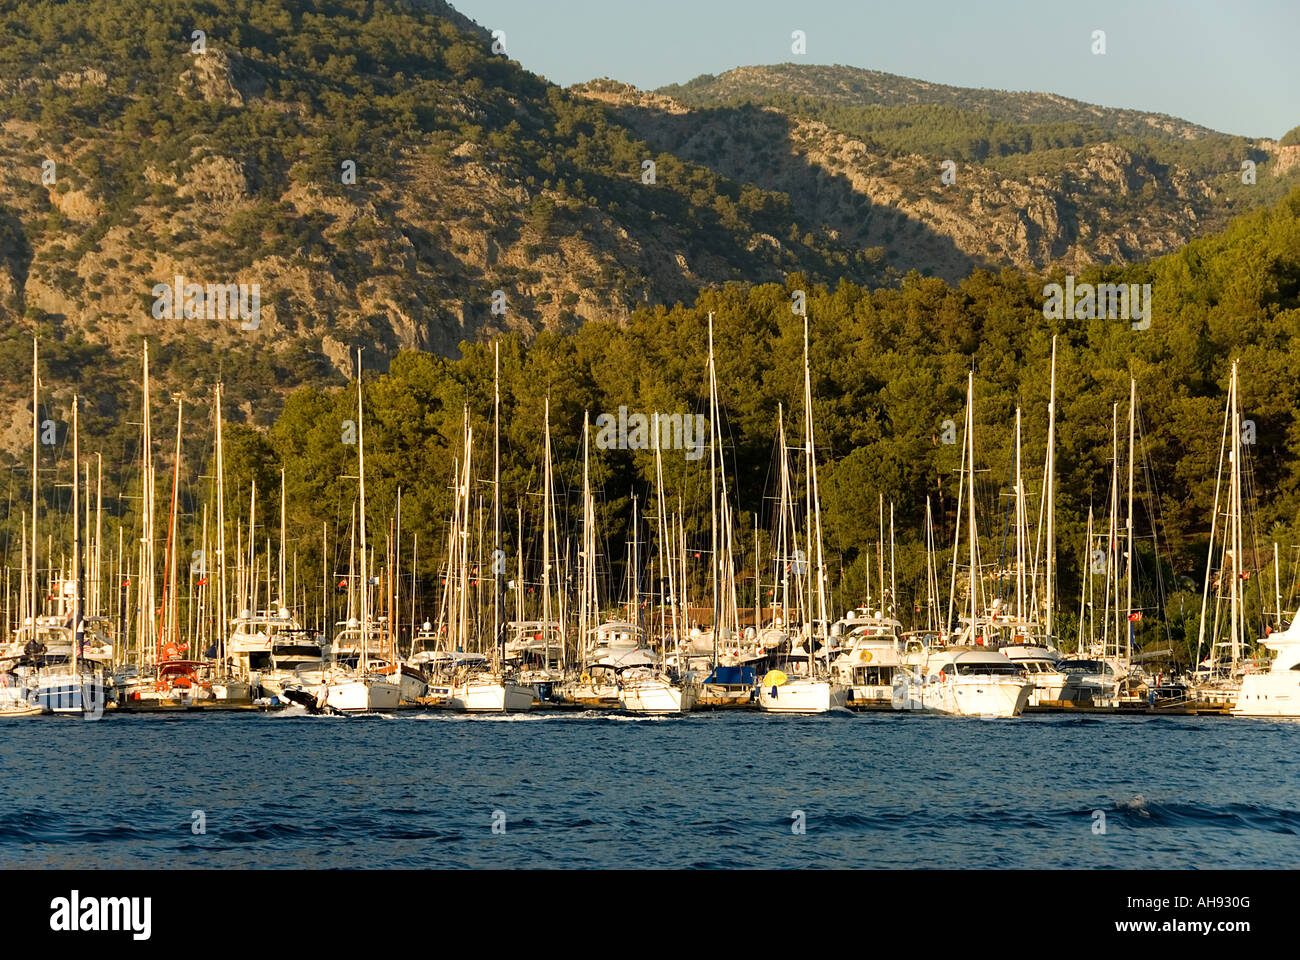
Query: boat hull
{"points": [[658, 696], [803, 696], [362, 696], [68, 693], [1048, 688], [21, 711], [1269, 695], [970, 696], [490, 698]]}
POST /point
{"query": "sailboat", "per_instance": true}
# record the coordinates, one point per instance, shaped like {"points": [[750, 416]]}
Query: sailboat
{"points": [[872, 645], [967, 678], [657, 688], [53, 664], [341, 687], [812, 690], [1015, 632], [478, 686], [168, 678], [1220, 677]]}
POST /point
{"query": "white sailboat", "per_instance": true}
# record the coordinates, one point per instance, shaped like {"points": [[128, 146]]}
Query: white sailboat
{"points": [[1220, 676], [475, 686], [813, 689], [359, 689], [655, 688]]}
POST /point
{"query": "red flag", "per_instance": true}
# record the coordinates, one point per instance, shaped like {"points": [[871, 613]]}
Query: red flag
{"points": [[1135, 615], [342, 583], [203, 582]]}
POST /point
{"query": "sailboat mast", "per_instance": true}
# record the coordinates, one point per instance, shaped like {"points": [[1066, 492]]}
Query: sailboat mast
{"points": [[363, 662], [170, 592], [931, 573], [498, 555], [1020, 529], [78, 632], [99, 527], [585, 558], [893, 582], [1049, 624], [714, 562], [880, 549], [36, 446], [1235, 506], [783, 545], [1112, 541], [1128, 560], [1214, 520], [147, 608], [1277, 588], [281, 585], [546, 535], [634, 573], [814, 505], [222, 609], [970, 500]]}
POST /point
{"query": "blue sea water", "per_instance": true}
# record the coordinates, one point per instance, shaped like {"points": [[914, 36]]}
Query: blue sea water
{"points": [[588, 790]]}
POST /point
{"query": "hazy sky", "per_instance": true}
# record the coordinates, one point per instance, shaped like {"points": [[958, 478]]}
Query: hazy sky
{"points": [[1233, 66]]}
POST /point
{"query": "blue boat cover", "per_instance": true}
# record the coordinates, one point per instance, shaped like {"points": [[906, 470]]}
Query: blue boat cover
{"points": [[732, 675]]}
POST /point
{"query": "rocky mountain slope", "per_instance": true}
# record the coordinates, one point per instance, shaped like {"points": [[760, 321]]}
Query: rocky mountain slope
{"points": [[946, 179], [390, 180]]}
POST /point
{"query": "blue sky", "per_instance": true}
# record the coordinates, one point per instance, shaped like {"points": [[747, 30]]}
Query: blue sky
{"points": [[1233, 66]]}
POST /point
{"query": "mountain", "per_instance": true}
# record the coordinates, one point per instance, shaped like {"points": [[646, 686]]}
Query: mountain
{"points": [[136, 151], [856, 87], [389, 181], [1033, 180]]}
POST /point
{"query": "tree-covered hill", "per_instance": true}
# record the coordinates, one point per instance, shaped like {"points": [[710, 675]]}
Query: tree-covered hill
{"points": [[888, 370]]}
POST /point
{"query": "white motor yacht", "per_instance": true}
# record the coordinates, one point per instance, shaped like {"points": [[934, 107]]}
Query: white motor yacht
{"points": [[1275, 693], [966, 682]]}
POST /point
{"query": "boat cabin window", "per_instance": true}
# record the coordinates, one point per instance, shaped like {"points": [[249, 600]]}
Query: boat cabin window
{"points": [[1086, 667], [874, 676], [981, 669]]}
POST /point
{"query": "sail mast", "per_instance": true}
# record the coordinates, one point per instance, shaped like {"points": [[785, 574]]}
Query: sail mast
{"points": [[1051, 500], [1214, 520], [546, 535], [36, 446], [498, 555], [970, 500], [147, 609], [1128, 561], [585, 558], [814, 505], [78, 632], [363, 662], [713, 493], [1235, 507], [222, 609], [1020, 529]]}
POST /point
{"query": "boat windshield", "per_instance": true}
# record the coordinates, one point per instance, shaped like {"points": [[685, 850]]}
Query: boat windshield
{"points": [[983, 669], [1084, 666]]}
